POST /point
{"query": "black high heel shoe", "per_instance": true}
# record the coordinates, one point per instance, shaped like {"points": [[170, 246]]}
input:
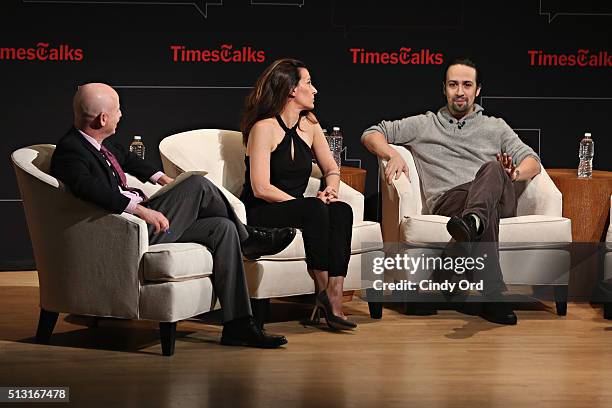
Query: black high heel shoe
{"points": [[333, 321]]}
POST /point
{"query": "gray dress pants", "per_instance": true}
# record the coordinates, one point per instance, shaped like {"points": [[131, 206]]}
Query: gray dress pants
{"points": [[199, 212], [490, 196]]}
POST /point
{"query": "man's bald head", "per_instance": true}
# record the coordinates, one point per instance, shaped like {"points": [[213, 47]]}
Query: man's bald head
{"points": [[95, 105]]}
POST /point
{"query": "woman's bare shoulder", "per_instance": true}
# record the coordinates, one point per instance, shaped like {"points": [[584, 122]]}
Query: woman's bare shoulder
{"points": [[266, 124], [309, 123]]}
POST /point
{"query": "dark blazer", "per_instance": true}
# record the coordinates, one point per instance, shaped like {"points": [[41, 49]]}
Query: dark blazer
{"points": [[85, 172]]}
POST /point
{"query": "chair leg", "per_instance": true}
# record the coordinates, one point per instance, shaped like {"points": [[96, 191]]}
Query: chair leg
{"points": [[561, 300], [167, 334], [561, 308], [46, 324], [261, 311], [376, 310]]}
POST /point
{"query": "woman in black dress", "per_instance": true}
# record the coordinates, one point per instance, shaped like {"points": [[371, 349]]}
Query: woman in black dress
{"points": [[281, 135]]}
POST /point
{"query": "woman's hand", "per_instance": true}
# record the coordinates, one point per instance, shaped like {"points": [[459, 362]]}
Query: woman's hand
{"points": [[329, 195]]}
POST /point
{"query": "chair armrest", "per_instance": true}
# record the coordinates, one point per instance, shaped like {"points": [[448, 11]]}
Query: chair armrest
{"points": [[234, 201], [400, 199], [88, 260], [353, 198], [143, 232], [347, 194], [540, 197]]}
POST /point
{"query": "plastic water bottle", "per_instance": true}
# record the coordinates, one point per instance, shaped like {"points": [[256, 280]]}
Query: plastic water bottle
{"points": [[138, 147], [585, 153], [335, 144]]}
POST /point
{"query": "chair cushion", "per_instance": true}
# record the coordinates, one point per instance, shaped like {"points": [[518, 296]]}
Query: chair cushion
{"points": [[418, 229], [366, 237], [176, 262], [268, 279]]}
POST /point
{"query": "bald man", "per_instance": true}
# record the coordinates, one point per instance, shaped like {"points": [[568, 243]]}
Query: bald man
{"points": [[93, 168]]}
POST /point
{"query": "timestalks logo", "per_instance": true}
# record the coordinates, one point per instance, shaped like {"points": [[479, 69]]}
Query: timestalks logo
{"points": [[42, 52], [404, 56], [582, 58], [226, 53]]}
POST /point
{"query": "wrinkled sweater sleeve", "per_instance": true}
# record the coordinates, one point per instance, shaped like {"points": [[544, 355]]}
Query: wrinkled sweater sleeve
{"points": [[401, 132], [514, 146]]}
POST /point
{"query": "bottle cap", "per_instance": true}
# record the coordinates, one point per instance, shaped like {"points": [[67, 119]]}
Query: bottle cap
{"points": [[336, 128], [587, 135], [137, 137]]}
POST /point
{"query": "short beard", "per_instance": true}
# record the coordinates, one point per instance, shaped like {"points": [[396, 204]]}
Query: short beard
{"points": [[456, 109]]}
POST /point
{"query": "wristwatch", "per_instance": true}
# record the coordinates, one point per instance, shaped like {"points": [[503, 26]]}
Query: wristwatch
{"points": [[517, 173]]}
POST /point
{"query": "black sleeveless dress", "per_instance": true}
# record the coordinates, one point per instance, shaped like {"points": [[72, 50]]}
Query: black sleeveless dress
{"points": [[326, 228], [286, 173]]}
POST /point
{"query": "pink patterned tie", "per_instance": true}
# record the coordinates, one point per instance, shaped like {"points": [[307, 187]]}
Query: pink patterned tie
{"points": [[119, 172]]}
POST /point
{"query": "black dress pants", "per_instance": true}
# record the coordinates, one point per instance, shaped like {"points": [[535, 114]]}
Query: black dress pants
{"points": [[326, 229], [199, 212]]}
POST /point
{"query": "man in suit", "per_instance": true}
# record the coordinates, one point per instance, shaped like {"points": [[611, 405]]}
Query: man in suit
{"points": [[468, 163], [92, 167]]}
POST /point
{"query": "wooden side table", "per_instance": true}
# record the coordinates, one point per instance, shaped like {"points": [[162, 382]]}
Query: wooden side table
{"points": [[354, 177], [585, 201]]}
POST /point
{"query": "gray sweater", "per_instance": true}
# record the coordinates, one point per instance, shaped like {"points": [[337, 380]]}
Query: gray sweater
{"points": [[448, 152]]}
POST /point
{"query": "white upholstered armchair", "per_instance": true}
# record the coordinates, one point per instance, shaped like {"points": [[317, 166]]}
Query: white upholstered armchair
{"points": [[92, 262], [533, 245], [221, 153]]}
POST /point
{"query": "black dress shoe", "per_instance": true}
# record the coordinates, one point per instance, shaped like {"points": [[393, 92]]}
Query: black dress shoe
{"points": [[266, 241], [498, 312], [247, 333], [462, 229], [464, 232]]}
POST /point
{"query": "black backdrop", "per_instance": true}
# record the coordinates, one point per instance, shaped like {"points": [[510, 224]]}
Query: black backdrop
{"points": [[544, 63]]}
